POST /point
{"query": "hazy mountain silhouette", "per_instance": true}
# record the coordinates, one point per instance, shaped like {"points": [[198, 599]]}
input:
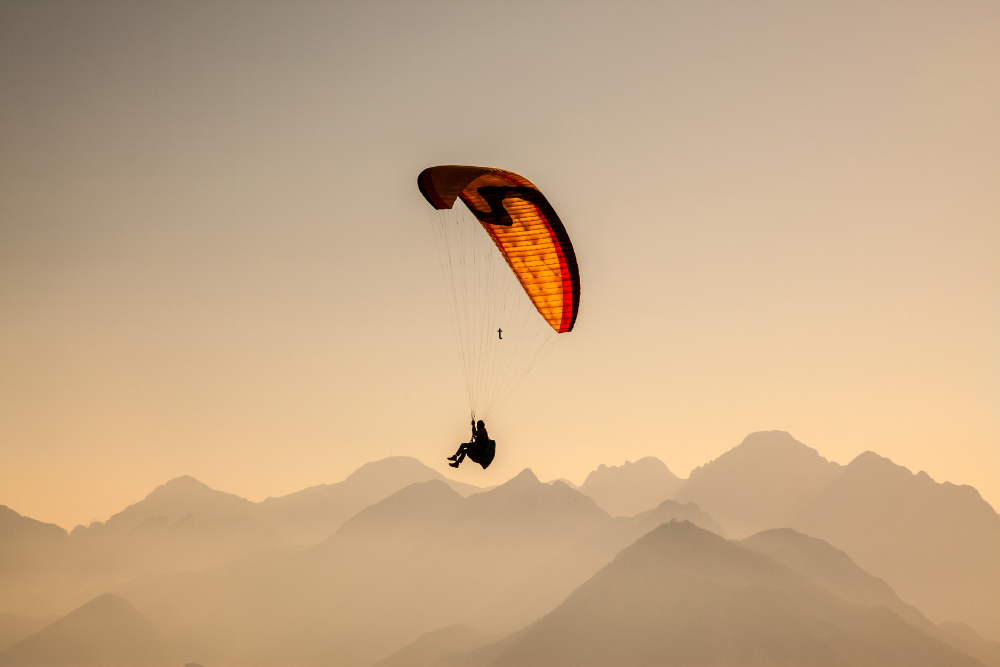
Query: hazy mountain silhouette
{"points": [[182, 525], [179, 498], [938, 545], [421, 559], [631, 488], [105, 632], [542, 589], [30, 553], [437, 646], [964, 638], [827, 566], [25, 539], [304, 517], [684, 596], [230, 581], [758, 484], [312, 515], [832, 569], [15, 627]]}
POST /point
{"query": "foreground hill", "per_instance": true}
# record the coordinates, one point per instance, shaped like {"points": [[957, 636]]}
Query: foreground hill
{"points": [[105, 632], [759, 484], [442, 645], [684, 596], [421, 559], [15, 627], [545, 587], [632, 488], [938, 545]]}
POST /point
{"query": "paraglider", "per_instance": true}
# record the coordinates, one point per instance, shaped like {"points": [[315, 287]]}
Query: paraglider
{"points": [[479, 448], [519, 278]]}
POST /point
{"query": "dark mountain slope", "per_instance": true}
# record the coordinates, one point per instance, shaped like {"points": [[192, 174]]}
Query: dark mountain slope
{"points": [[937, 545], [436, 646], [967, 640], [631, 488], [759, 484], [683, 596], [15, 627], [545, 587], [105, 632], [832, 569]]}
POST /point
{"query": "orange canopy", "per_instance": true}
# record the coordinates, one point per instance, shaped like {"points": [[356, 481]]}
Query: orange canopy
{"points": [[525, 229]]}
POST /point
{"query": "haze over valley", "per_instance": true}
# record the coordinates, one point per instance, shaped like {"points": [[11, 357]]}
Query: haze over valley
{"points": [[768, 553]]}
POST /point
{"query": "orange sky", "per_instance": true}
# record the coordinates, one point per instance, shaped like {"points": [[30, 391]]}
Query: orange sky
{"points": [[214, 260]]}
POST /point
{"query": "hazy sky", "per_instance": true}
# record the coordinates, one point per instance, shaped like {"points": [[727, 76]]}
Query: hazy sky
{"points": [[214, 259]]}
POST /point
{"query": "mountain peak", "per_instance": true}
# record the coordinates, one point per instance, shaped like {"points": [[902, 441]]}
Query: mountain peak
{"points": [[916, 534], [178, 498], [523, 480], [183, 482], [526, 476], [871, 459], [755, 485], [392, 466]]}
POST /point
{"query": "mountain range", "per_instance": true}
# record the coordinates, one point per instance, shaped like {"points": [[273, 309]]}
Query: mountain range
{"points": [[181, 525], [355, 572]]}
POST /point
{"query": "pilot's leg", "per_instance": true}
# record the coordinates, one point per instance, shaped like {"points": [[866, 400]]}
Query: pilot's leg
{"points": [[459, 455]]}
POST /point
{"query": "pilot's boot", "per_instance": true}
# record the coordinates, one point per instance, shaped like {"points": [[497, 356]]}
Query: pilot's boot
{"points": [[454, 465]]}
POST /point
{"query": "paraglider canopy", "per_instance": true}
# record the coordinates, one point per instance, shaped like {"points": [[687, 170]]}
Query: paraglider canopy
{"points": [[525, 229]]}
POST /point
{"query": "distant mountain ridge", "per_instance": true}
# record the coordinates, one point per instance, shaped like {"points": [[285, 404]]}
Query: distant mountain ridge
{"points": [[935, 544], [759, 484], [938, 545], [181, 525], [631, 488], [315, 512]]}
